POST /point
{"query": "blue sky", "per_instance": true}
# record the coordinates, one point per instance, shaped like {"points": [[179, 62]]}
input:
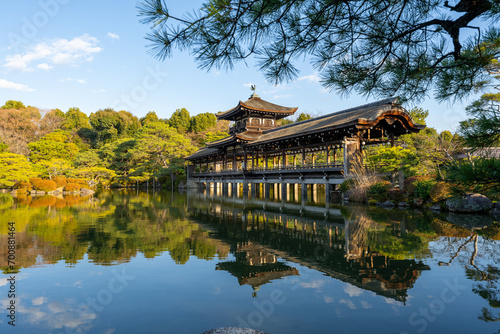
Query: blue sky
{"points": [[93, 55]]}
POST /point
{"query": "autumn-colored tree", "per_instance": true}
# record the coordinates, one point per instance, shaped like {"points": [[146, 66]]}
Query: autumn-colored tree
{"points": [[14, 168], [18, 127]]}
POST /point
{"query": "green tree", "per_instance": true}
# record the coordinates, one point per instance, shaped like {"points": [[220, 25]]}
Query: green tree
{"points": [[392, 159], [11, 104], [303, 117], [418, 115], [394, 48], [483, 129], [201, 122], [149, 118], [110, 125], [75, 119], [96, 175], [14, 168], [89, 158], [3, 147], [180, 120], [55, 145]]}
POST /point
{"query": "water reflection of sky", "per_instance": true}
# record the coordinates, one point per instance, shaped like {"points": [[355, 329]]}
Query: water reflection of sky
{"points": [[167, 293]]}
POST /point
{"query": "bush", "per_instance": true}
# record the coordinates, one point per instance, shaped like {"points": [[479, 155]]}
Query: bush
{"points": [[26, 186], [372, 202], [81, 182], [379, 190], [440, 192], [423, 188], [396, 195], [60, 181], [409, 184], [72, 187], [43, 185], [347, 185]]}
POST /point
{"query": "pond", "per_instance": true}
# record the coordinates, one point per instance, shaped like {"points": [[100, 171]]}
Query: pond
{"points": [[165, 262]]}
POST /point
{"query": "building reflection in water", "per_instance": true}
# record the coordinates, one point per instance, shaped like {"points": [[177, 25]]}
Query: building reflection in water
{"points": [[264, 236]]}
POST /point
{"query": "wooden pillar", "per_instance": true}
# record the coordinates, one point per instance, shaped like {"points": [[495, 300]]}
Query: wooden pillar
{"points": [[284, 160], [245, 162], [303, 156], [328, 154], [304, 192], [266, 161], [328, 190], [313, 158]]}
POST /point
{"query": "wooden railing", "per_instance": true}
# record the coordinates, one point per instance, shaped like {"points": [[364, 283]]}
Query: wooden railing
{"points": [[272, 169]]}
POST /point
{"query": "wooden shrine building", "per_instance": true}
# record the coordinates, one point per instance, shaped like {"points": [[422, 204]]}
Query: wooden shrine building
{"points": [[321, 150]]}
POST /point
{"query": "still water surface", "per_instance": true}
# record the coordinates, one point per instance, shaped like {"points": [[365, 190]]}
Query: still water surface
{"points": [[137, 262]]}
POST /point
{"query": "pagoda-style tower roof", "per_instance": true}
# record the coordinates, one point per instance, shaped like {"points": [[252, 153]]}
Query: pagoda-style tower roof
{"points": [[256, 105]]}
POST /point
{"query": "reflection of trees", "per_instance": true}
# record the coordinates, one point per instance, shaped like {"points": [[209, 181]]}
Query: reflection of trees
{"points": [[111, 228]]}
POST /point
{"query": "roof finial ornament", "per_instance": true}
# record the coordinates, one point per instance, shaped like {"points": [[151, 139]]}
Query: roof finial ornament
{"points": [[253, 88]]}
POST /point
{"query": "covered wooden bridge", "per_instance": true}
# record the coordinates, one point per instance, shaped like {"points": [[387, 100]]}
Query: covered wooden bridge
{"points": [[259, 154]]}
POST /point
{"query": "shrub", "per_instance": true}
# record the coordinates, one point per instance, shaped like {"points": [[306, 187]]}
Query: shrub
{"points": [[409, 184], [81, 182], [347, 185], [396, 195], [72, 187], [440, 192], [372, 202], [26, 186], [60, 181], [379, 190], [43, 185], [423, 188]]}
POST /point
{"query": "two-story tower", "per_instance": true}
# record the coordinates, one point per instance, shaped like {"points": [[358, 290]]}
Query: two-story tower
{"points": [[252, 117]]}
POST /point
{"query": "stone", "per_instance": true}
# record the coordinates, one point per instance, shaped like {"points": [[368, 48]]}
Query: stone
{"points": [[435, 207], [418, 202], [86, 192], [387, 204], [403, 205], [469, 203]]}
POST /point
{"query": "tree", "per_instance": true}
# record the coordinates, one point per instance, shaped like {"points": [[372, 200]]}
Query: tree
{"points": [[387, 48], [110, 125], [96, 175], [75, 119], [180, 120], [14, 168], [418, 115], [11, 104], [18, 127], [483, 129], [392, 159], [202, 122], [3, 147], [303, 117], [55, 145], [149, 118]]}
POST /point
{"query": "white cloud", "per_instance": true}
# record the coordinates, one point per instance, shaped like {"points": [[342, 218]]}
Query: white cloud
{"points": [[55, 52], [44, 66], [315, 284], [113, 36], [311, 78], [282, 96], [39, 301], [12, 85], [353, 291], [349, 303], [80, 81]]}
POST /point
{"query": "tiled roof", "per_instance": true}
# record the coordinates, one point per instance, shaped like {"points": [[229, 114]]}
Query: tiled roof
{"points": [[257, 104]]}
